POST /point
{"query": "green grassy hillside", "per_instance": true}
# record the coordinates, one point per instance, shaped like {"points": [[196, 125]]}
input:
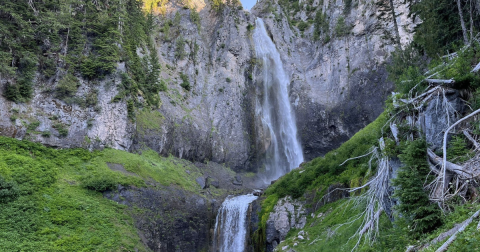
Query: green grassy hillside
{"points": [[51, 199]]}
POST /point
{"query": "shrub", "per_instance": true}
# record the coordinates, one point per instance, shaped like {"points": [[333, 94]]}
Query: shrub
{"points": [[8, 190], [99, 182], [62, 131], [92, 98], [320, 25], [341, 29], [33, 126], [302, 26], [180, 48], [67, 86], [185, 82], [131, 110]]}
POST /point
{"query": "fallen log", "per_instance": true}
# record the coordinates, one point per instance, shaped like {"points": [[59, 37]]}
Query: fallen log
{"points": [[370, 223], [444, 247], [437, 81], [437, 161], [476, 68]]}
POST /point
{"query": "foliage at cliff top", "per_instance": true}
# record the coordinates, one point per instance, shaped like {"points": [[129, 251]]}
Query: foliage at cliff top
{"points": [[51, 199], [81, 38]]}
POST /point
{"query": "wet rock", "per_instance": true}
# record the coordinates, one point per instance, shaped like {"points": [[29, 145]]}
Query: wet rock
{"points": [[213, 182], [202, 182], [258, 193], [237, 180]]}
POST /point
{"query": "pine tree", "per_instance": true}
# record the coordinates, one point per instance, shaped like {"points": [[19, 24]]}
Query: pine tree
{"points": [[419, 213]]}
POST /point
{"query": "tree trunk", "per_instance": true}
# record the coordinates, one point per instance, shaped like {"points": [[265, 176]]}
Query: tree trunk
{"points": [[471, 19], [444, 247], [464, 28], [395, 25]]}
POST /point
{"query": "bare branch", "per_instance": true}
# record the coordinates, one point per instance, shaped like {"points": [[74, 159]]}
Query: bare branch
{"points": [[445, 136], [370, 223], [476, 68], [444, 247], [437, 81], [470, 137], [374, 149]]}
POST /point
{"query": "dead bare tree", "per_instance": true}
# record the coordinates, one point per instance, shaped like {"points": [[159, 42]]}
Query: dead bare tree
{"points": [[462, 22], [395, 25]]}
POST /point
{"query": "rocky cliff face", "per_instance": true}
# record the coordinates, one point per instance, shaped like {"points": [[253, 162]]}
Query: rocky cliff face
{"points": [[338, 84]]}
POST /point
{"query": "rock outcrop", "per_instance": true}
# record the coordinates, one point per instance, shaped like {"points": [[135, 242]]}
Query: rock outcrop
{"points": [[287, 214], [169, 219]]}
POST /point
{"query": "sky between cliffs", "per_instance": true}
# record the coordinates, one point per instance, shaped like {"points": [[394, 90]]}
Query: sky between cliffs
{"points": [[248, 4]]}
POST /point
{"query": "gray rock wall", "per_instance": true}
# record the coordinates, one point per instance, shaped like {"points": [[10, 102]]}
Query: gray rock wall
{"points": [[337, 87]]}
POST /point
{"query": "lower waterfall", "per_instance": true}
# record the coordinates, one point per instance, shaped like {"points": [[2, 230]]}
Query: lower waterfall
{"points": [[231, 224]]}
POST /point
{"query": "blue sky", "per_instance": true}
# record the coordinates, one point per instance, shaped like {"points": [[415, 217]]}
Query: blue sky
{"points": [[248, 4]]}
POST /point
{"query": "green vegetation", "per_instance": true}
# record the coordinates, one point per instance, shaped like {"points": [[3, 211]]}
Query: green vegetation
{"points": [[67, 87], [440, 30], [51, 200], [76, 38], [45, 209], [321, 25], [418, 213], [180, 48], [185, 82], [341, 28], [148, 120], [62, 130]]}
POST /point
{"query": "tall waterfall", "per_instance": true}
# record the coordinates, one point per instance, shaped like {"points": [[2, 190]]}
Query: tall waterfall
{"points": [[283, 149], [231, 224]]}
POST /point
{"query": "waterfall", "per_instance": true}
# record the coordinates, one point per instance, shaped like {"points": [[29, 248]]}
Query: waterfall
{"points": [[283, 150], [231, 224]]}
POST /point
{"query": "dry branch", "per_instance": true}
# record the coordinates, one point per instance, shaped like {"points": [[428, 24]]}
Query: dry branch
{"points": [[470, 137], [437, 161], [374, 149], [454, 236], [372, 221], [476, 68], [437, 81], [445, 144]]}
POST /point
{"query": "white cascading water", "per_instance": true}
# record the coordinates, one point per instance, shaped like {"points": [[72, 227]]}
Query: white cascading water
{"points": [[231, 224], [284, 152]]}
